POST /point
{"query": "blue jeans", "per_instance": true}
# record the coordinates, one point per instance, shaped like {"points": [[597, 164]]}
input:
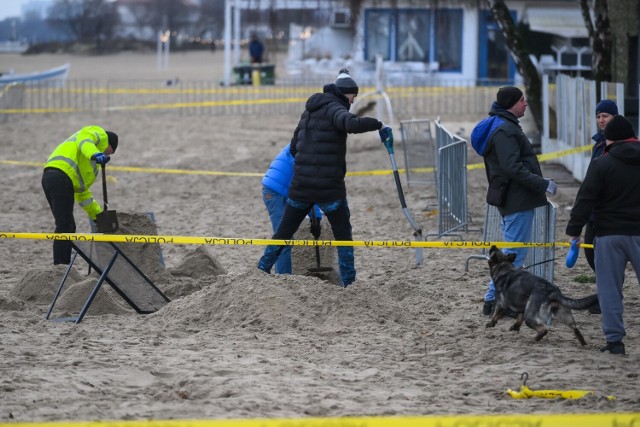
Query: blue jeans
{"points": [[516, 227], [275, 203], [337, 212]]}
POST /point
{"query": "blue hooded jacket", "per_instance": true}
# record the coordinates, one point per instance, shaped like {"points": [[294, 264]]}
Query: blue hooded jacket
{"points": [[509, 158], [278, 176]]}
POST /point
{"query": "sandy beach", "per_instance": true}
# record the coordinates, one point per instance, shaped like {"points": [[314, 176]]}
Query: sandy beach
{"points": [[237, 343]]}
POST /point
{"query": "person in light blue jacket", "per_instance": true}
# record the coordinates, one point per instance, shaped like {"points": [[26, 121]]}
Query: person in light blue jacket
{"points": [[275, 190]]}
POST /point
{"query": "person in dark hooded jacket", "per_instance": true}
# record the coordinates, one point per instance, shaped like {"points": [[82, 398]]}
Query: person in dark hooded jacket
{"points": [[319, 145], [609, 197], [605, 111], [511, 162]]}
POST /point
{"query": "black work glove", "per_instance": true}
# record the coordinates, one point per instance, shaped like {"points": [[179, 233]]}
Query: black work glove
{"points": [[316, 228]]}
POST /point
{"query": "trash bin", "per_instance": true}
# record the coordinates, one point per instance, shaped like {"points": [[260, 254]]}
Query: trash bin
{"points": [[242, 74], [267, 74]]}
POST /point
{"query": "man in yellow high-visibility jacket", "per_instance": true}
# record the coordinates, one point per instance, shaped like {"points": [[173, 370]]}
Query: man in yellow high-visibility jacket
{"points": [[68, 174]]}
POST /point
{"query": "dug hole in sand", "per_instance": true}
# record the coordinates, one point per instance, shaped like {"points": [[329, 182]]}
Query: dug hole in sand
{"points": [[196, 270]]}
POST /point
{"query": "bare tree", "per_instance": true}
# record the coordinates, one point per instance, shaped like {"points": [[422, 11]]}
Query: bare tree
{"points": [[600, 37], [168, 14], [520, 55], [88, 20], [211, 17]]}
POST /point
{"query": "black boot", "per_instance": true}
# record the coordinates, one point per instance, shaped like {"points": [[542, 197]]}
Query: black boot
{"points": [[616, 347]]}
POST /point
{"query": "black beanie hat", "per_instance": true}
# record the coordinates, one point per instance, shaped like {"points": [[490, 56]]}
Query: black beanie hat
{"points": [[345, 83], [113, 140], [619, 128], [508, 96]]}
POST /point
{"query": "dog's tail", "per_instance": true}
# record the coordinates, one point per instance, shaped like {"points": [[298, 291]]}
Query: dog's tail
{"points": [[578, 304]]}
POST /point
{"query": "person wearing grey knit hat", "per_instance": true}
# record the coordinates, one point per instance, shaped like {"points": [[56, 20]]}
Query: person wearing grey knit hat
{"points": [[319, 147]]}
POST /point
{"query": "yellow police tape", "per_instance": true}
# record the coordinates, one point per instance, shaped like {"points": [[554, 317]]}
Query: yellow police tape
{"points": [[517, 420], [174, 105], [241, 241], [380, 172]]}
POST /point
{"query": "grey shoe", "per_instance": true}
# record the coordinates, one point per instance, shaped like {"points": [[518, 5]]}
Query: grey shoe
{"points": [[616, 347]]}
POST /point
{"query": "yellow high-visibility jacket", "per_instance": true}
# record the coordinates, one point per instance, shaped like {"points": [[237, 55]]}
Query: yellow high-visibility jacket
{"points": [[73, 157]]}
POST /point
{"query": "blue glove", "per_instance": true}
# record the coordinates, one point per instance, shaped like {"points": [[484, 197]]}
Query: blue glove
{"points": [[101, 158], [385, 133], [552, 187]]}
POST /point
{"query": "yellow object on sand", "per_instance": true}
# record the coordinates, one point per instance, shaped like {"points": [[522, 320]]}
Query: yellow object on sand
{"points": [[525, 393]]}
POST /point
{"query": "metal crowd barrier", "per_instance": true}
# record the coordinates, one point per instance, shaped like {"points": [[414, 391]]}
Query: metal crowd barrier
{"points": [[419, 151], [539, 258], [12, 97], [287, 96], [451, 182]]}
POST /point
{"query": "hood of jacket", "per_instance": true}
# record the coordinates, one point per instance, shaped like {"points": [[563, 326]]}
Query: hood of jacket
{"points": [[330, 93], [485, 128], [627, 151]]}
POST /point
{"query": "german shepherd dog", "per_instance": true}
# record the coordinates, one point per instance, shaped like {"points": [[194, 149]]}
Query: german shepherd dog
{"points": [[536, 301]]}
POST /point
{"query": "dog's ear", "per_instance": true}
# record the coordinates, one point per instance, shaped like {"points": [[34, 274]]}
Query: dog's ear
{"points": [[511, 257], [493, 255]]}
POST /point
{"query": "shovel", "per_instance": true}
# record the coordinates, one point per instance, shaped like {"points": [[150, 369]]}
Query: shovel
{"points": [[106, 221], [387, 140], [319, 269]]}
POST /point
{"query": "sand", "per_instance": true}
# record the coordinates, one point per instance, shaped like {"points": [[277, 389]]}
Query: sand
{"points": [[237, 343]]}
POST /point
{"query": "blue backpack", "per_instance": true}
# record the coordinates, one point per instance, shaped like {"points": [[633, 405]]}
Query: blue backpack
{"points": [[482, 132]]}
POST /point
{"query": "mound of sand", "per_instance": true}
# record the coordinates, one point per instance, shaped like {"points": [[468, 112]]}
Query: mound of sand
{"points": [[74, 296], [39, 285], [249, 298], [198, 264]]}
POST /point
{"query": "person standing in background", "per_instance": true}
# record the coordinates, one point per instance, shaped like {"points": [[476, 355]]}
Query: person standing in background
{"points": [[605, 111], [256, 49]]}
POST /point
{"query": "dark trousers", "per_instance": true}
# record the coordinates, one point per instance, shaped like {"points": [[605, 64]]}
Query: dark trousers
{"points": [[58, 189], [589, 237], [337, 212]]}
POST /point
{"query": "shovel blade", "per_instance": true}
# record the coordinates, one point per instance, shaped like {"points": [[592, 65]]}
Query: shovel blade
{"points": [[107, 222], [419, 251]]}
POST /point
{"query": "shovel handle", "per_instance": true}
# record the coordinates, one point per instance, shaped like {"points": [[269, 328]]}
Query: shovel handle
{"points": [[314, 221], [104, 187]]}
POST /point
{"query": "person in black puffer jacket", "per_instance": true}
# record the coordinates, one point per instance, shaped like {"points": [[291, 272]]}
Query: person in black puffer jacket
{"points": [[320, 149]]}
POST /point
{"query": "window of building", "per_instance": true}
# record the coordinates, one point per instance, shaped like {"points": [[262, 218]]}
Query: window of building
{"points": [[418, 35]]}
